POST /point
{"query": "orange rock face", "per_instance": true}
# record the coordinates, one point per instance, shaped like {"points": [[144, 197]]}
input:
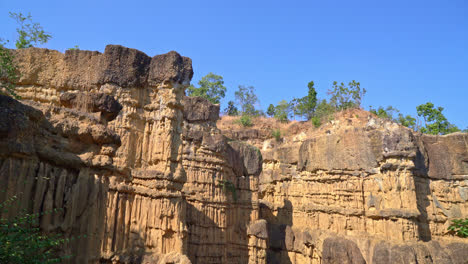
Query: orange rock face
{"points": [[148, 176]]}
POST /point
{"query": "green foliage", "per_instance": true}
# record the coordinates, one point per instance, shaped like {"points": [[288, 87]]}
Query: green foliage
{"points": [[385, 113], [459, 227], [271, 110], [283, 111], [231, 109], [21, 240], [305, 106], [276, 133], [346, 96], [8, 72], [228, 186], [76, 47], [245, 120], [389, 113], [29, 33], [247, 99], [324, 109], [316, 121], [211, 88], [407, 121], [435, 121]]}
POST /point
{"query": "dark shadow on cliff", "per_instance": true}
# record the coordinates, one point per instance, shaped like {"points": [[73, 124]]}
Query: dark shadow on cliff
{"points": [[277, 227], [423, 191], [208, 242], [37, 165]]}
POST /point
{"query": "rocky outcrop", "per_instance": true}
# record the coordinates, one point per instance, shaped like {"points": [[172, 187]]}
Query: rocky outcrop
{"points": [[111, 139], [143, 171], [364, 190]]}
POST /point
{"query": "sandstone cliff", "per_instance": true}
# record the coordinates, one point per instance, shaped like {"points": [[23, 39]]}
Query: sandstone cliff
{"points": [[146, 173], [135, 165], [361, 190]]}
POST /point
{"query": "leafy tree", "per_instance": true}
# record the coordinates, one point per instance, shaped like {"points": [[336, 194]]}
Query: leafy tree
{"points": [[283, 111], [407, 121], [324, 109], [305, 106], [386, 113], [247, 100], [211, 88], [271, 110], [231, 109], [29, 33], [435, 122], [346, 96]]}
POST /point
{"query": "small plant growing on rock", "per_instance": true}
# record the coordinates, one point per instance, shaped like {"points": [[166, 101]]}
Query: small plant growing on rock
{"points": [[276, 134], [228, 186], [245, 121], [459, 227], [21, 239], [316, 121]]}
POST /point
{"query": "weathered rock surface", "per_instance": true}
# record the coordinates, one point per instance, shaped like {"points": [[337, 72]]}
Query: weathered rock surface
{"points": [[144, 172], [363, 190], [135, 165]]}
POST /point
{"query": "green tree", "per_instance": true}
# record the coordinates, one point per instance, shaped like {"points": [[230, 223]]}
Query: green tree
{"points": [[283, 111], [30, 33], [323, 110], [305, 106], [247, 99], [346, 96], [386, 113], [271, 110], [211, 88], [231, 109], [407, 121], [435, 122]]}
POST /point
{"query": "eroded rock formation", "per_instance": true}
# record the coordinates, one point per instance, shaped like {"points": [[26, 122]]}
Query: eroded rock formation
{"points": [[362, 190], [134, 164], [144, 171]]}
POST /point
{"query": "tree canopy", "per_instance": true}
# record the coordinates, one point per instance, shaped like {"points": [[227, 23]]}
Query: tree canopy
{"points": [[247, 99], [211, 88], [435, 122]]}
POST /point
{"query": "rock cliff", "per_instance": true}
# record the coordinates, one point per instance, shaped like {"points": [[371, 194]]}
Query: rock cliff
{"points": [[146, 174], [361, 190]]}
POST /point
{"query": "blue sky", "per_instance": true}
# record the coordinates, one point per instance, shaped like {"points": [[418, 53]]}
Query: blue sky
{"points": [[404, 53]]}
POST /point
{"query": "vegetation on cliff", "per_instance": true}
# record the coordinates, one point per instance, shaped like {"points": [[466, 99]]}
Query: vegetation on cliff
{"points": [[29, 35]]}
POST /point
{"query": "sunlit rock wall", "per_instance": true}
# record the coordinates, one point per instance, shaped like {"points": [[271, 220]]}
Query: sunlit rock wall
{"points": [[141, 170]]}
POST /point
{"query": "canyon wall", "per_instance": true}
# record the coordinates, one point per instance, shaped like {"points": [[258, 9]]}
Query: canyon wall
{"points": [[144, 172], [362, 190], [135, 165]]}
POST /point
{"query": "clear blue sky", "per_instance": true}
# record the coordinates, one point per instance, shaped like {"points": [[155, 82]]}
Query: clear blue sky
{"points": [[404, 53]]}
